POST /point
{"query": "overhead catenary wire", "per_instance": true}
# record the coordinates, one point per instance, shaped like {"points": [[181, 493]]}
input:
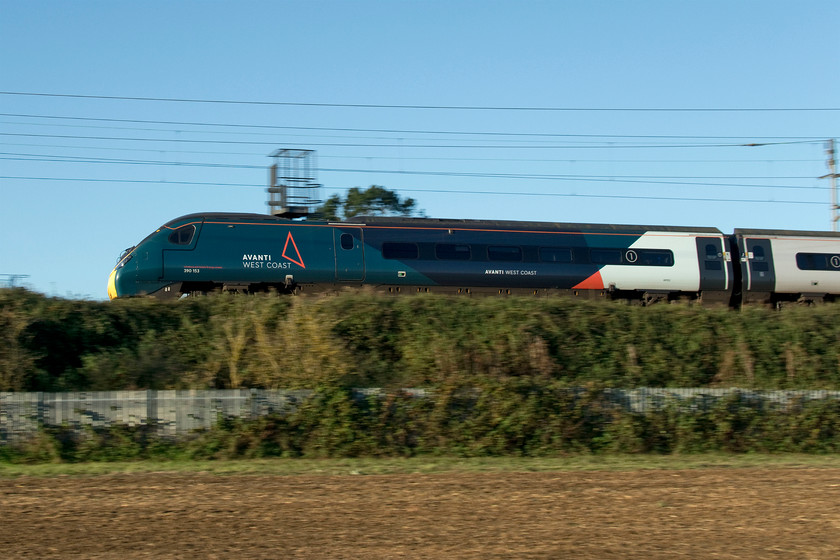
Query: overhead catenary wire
{"points": [[636, 179], [608, 146], [646, 179], [439, 191], [175, 133], [54, 158], [421, 106], [391, 131], [424, 158]]}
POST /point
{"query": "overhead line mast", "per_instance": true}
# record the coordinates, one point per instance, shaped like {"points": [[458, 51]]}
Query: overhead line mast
{"points": [[832, 167], [292, 189]]}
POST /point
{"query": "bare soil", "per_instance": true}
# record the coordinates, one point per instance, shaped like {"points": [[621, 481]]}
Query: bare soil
{"points": [[698, 513]]}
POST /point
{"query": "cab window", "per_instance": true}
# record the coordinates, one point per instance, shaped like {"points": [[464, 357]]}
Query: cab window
{"points": [[183, 235]]}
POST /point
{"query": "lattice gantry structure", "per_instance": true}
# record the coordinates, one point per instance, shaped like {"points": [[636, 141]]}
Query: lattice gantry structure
{"points": [[292, 188]]}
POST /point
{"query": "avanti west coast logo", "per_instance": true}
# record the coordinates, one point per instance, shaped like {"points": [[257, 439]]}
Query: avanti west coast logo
{"points": [[290, 253]]}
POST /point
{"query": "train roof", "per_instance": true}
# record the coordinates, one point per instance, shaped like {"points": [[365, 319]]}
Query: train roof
{"points": [[516, 225], [747, 232], [224, 217], [455, 223]]}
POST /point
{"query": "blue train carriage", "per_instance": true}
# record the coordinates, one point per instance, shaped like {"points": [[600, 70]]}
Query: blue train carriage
{"points": [[503, 257], [254, 252], [779, 266], [233, 252]]}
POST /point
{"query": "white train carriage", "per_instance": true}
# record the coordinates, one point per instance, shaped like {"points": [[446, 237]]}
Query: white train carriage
{"points": [[778, 265], [699, 264]]}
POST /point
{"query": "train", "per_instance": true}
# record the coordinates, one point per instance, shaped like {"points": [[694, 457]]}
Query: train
{"points": [[248, 253]]}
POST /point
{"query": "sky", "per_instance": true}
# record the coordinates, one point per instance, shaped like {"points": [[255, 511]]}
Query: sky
{"points": [[116, 116]]}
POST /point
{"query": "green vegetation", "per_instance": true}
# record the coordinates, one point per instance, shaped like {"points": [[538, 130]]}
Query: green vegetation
{"points": [[373, 201], [510, 377], [365, 340], [427, 465]]}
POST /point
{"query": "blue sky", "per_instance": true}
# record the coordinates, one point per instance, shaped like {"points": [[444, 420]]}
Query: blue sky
{"points": [[550, 111]]}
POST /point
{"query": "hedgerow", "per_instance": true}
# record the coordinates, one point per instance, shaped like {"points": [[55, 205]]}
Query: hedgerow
{"points": [[366, 340]]}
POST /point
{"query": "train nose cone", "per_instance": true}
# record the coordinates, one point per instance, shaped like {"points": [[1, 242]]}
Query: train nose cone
{"points": [[112, 285]]}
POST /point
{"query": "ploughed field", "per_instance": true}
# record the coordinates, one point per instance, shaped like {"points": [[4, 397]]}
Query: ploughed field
{"points": [[697, 513]]}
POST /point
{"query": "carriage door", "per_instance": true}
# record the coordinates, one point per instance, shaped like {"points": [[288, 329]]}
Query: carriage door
{"points": [[761, 276], [713, 265], [349, 254]]}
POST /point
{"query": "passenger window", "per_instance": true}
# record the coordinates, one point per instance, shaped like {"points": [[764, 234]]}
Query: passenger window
{"points": [[555, 254], [183, 235], [712, 252], [713, 256], [817, 261], [655, 257], [759, 262], [809, 261], [508, 254], [605, 256], [346, 241], [400, 251], [452, 252]]}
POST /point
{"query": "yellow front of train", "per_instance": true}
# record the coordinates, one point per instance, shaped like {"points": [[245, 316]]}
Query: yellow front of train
{"points": [[112, 285], [113, 278]]}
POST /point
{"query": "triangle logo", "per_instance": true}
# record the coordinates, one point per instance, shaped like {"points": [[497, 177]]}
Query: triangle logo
{"points": [[285, 255]]}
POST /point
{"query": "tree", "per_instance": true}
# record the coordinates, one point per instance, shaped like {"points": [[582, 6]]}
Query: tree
{"points": [[373, 201]]}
